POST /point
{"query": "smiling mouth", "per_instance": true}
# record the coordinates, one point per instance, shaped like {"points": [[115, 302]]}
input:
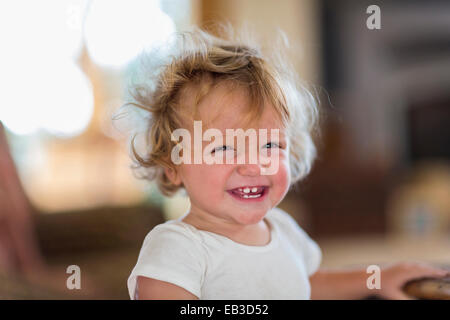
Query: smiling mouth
{"points": [[249, 193]]}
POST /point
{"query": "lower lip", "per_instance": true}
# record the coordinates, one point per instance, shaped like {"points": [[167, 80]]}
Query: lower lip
{"points": [[260, 198]]}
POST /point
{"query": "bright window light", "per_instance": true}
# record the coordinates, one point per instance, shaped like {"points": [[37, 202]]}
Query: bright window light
{"points": [[42, 87], [37, 29], [70, 103], [56, 97], [117, 31]]}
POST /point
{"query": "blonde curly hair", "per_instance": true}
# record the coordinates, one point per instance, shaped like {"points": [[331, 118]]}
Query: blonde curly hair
{"points": [[201, 61]]}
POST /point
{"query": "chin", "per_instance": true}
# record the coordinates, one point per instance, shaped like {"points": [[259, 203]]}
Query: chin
{"points": [[251, 217]]}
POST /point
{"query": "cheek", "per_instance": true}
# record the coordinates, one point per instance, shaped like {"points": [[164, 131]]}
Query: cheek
{"points": [[282, 179], [204, 180], [283, 176]]}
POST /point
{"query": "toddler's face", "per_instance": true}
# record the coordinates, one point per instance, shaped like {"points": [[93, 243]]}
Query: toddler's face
{"points": [[236, 193]]}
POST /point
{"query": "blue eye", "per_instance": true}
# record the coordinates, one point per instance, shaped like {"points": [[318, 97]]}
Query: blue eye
{"points": [[273, 144]]}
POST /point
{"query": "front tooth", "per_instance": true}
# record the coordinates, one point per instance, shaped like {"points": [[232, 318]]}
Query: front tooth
{"points": [[254, 189], [245, 196], [247, 190]]}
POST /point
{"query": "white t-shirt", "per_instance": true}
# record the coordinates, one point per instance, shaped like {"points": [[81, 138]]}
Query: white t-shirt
{"points": [[212, 266]]}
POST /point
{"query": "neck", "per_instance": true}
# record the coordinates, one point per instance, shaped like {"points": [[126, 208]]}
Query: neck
{"points": [[222, 226]]}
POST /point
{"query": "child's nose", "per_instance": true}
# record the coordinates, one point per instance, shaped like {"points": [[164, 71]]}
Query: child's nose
{"points": [[249, 164], [249, 169]]}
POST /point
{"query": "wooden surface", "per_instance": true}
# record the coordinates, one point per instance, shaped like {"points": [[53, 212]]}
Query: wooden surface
{"points": [[379, 249], [435, 289]]}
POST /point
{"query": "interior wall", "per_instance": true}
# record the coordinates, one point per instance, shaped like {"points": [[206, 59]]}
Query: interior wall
{"points": [[299, 19]]}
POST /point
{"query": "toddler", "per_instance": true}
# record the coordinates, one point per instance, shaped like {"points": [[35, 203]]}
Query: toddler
{"points": [[233, 242]]}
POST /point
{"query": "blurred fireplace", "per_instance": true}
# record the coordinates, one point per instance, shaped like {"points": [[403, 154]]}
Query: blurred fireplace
{"points": [[428, 129], [374, 77], [389, 108]]}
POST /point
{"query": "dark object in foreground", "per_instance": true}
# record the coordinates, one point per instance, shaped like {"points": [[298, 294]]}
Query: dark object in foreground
{"points": [[429, 288]]}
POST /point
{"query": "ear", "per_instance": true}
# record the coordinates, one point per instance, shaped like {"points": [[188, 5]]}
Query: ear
{"points": [[173, 176]]}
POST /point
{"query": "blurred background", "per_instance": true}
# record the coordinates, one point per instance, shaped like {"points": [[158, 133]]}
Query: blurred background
{"points": [[379, 190]]}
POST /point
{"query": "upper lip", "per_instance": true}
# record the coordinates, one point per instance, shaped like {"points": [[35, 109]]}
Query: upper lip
{"points": [[249, 186]]}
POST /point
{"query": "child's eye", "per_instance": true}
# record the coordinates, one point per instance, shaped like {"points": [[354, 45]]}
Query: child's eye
{"points": [[222, 148], [272, 144]]}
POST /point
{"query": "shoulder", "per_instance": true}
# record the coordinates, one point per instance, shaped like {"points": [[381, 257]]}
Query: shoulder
{"points": [[288, 223], [172, 234], [284, 219], [172, 242], [173, 253], [299, 238]]}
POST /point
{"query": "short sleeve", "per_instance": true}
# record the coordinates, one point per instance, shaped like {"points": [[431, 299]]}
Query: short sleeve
{"points": [[311, 250], [171, 253]]}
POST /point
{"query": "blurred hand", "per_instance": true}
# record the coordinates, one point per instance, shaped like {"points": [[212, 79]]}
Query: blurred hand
{"points": [[396, 275], [19, 249]]}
